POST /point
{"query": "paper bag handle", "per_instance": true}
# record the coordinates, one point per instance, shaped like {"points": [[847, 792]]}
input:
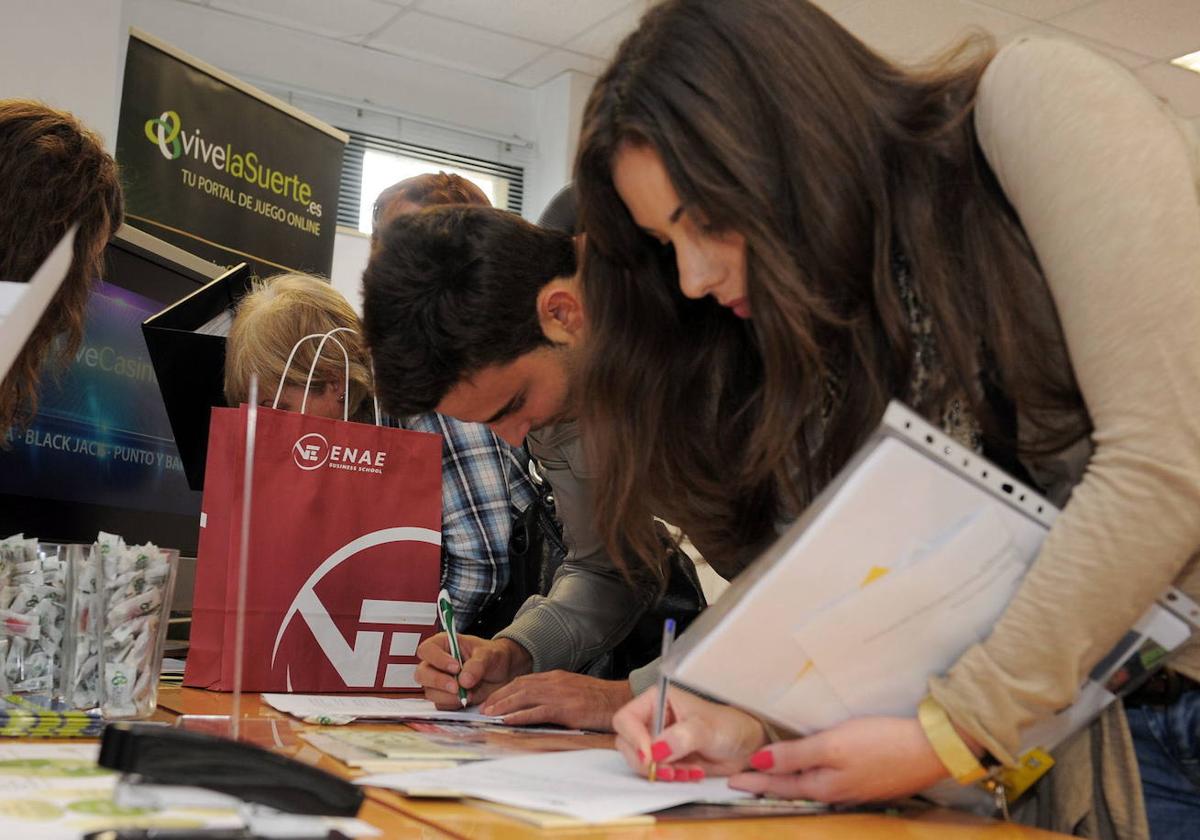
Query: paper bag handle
{"points": [[313, 367]]}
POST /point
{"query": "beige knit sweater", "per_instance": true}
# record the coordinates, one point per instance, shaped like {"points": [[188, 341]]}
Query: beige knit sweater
{"points": [[1107, 186]]}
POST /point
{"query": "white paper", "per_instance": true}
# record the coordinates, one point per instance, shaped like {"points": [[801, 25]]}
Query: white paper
{"points": [[376, 708], [22, 304], [589, 785], [57, 792], [902, 535], [10, 293], [917, 619], [219, 325]]}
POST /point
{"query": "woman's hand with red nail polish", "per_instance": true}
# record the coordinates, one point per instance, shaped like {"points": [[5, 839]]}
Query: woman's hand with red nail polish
{"points": [[762, 760], [717, 740], [861, 760]]}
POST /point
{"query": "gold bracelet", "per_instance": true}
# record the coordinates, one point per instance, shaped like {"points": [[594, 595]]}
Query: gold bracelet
{"points": [[951, 750]]}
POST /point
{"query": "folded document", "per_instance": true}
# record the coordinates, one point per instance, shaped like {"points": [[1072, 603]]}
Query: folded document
{"points": [[903, 563]]}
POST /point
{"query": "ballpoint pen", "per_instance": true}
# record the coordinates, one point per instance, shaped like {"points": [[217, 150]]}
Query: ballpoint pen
{"points": [[446, 613], [660, 712]]}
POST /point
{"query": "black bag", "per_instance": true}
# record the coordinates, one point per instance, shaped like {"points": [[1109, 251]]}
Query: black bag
{"points": [[536, 551]]}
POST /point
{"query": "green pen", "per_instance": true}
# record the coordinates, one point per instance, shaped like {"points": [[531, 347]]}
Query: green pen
{"points": [[446, 613]]}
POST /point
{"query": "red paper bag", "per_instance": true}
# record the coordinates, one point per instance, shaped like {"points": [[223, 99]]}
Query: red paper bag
{"points": [[344, 554]]}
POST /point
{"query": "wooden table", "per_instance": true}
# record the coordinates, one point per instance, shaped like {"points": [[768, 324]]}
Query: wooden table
{"points": [[401, 817]]}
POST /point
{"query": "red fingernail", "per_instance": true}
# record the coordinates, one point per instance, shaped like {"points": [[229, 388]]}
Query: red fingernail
{"points": [[697, 774], [660, 750], [666, 774], [762, 760], [641, 757]]}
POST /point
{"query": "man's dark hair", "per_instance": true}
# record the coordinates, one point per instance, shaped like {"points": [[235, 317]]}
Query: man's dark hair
{"points": [[561, 211], [426, 190], [450, 291]]}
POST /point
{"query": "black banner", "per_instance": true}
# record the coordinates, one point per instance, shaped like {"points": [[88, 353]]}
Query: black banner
{"points": [[217, 169]]}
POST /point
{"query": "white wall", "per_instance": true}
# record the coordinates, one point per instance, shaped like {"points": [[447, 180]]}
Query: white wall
{"points": [[260, 51], [65, 53], [559, 106], [351, 251]]}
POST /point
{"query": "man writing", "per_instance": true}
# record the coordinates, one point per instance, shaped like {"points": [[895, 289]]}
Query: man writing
{"points": [[477, 314], [484, 482]]}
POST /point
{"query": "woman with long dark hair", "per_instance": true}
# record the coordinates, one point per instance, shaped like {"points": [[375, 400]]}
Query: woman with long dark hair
{"points": [[54, 173], [785, 231]]}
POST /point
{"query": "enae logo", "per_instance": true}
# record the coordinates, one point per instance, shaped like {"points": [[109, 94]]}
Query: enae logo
{"points": [[311, 451], [357, 663]]}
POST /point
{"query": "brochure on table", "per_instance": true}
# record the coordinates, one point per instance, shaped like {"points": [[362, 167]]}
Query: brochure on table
{"points": [[590, 785]]}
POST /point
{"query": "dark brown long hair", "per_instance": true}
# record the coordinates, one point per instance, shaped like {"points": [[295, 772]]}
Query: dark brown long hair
{"points": [[833, 164], [53, 173]]}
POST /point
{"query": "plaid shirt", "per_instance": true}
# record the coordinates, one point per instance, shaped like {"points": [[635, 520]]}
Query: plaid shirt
{"points": [[485, 484]]}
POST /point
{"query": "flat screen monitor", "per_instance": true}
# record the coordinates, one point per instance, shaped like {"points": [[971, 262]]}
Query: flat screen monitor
{"points": [[100, 455]]}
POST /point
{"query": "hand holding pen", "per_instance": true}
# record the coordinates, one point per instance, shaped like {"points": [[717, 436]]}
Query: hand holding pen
{"points": [[701, 738], [445, 610], [660, 711]]}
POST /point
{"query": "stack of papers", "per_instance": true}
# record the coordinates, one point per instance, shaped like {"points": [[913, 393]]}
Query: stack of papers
{"points": [[399, 744], [58, 792], [368, 760], [400, 750], [590, 785], [332, 709]]}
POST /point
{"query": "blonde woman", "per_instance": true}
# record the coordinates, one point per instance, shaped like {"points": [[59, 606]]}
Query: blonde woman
{"points": [[270, 320], [483, 479]]}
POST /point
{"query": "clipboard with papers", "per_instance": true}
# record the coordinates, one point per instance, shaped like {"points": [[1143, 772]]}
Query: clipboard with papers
{"points": [[907, 559]]}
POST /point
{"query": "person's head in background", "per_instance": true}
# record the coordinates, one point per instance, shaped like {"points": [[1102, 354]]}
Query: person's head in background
{"points": [[276, 314], [419, 191], [475, 313], [748, 175], [53, 173]]}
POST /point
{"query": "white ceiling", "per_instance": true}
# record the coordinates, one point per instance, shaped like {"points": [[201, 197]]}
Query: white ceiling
{"points": [[528, 42]]}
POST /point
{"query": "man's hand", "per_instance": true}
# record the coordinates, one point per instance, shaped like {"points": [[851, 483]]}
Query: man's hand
{"points": [[571, 700], [487, 665]]}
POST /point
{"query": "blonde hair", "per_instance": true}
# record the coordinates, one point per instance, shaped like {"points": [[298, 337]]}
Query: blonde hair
{"points": [[272, 317]]}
